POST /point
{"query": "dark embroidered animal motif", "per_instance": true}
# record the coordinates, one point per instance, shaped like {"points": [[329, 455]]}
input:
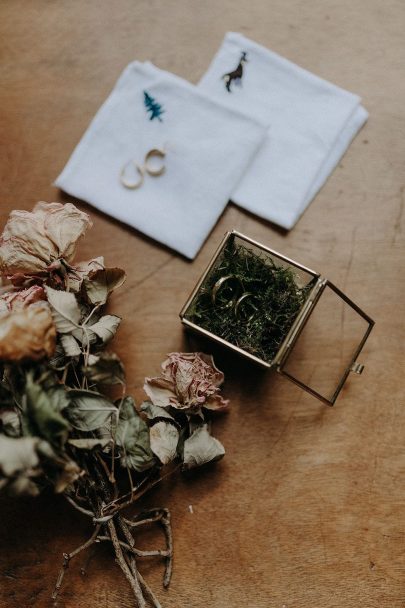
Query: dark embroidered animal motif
{"points": [[236, 75], [153, 107]]}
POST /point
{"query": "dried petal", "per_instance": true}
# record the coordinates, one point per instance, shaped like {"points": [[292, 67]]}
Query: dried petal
{"points": [[17, 300], [32, 241], [63, 225], [24, 247], [27, 334], [160, 391], [216, 402]]}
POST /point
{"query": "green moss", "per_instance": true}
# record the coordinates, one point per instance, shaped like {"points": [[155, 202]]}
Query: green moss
{"points": [[261, 321]]}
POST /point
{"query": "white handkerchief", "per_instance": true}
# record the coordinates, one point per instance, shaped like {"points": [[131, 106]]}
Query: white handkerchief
{"points": [[311, 122], [208, 147]]}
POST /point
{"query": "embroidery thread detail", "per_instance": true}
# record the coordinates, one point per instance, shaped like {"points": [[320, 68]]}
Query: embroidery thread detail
{"points": [[236, 75], [153, 107]]}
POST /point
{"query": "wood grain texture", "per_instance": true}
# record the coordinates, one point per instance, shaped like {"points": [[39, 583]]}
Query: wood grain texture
{"points": [[308, 507]]}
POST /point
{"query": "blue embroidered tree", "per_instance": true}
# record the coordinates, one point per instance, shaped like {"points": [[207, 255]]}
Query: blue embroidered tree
{"points": [[153, 107]]}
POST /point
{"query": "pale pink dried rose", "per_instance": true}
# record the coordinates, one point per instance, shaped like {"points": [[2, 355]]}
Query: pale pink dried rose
{"points": [[27, 333], [19, 299], [188, 382], [34, 241]]}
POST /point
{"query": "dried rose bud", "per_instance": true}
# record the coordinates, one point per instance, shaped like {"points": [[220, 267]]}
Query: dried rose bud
{"points": [[189, 381], [28, 333], [34, 241]]}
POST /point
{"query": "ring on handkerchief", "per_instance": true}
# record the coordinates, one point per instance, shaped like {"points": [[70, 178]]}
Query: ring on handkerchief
{"points": [[132, 184], [150, 167]]}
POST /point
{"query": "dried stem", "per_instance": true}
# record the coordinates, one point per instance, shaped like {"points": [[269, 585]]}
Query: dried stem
{"points": [[165, 521], [68, 556], [148, 590], [79, 508], [115, 505], [86, 562], [130, 575], [133, 550]]}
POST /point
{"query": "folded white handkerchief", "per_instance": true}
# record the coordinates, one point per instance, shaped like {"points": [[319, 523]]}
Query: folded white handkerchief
{"points": [[311, 122], [208, 147]]}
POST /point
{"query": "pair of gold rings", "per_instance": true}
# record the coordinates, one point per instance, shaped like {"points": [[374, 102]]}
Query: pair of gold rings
{"points": [[228, 292], [148, 167]]}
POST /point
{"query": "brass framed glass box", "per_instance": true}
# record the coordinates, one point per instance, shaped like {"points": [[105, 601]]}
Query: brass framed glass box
{"points": [[287, 318]]}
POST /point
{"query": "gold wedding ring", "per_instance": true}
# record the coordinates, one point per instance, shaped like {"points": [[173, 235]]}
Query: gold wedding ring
{"points": [[220, 284], [132, 185], [154, 153], [239, 311]]}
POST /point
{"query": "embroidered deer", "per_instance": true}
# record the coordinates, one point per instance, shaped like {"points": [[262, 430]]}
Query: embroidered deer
{"points": [[236, 75]]}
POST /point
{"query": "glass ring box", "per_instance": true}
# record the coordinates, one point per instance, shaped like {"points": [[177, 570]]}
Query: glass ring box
{"points": [[279, 314]]}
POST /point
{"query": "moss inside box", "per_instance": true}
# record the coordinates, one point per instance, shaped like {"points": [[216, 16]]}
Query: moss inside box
{"points": [[249, 300]]}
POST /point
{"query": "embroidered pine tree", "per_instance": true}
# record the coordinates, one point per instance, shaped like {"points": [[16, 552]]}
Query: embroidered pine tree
{"points": [[153, 107]]}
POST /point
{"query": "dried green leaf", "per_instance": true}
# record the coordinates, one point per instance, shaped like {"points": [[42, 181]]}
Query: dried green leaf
{"points": [[155, 411], [58, 359], [132, 436], [60, 470], [65, 310], [42, 415], [89, 410], [70, 345], [201, 448], [77, 273], [164, 438], [10, 423], [59, 397], [100, 283], [105, 368], [89, 443], [106, 327]]}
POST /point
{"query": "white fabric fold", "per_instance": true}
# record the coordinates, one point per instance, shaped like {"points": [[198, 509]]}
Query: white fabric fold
{"points": [[208, 147], [310, 121]]}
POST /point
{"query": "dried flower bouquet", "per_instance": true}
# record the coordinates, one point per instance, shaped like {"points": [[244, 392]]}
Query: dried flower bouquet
{"points": [[59, 423]]}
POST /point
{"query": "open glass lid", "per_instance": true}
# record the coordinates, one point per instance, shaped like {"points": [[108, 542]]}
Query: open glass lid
{"points": [[322, 349]]}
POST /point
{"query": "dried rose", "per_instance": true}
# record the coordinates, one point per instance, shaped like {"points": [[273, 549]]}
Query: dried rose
{"points": [[17, 300], [33, 241], [28, 333], [188, 382]]}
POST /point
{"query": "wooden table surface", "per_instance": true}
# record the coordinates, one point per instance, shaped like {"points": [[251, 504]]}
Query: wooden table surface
{"points": [[307, 509]]}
